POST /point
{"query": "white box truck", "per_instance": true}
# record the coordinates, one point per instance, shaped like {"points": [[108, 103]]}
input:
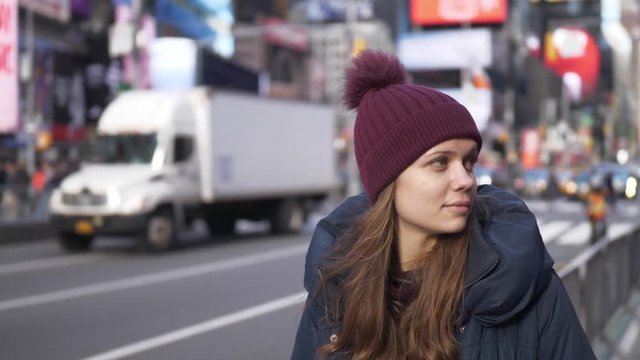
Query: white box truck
{"points": [[161, 159]]}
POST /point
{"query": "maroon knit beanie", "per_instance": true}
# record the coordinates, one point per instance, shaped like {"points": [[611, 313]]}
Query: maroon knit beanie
{"points": [[397, 122]]}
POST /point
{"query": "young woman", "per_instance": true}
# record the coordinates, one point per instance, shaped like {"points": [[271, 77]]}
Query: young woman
{"points": [[426, 265]]}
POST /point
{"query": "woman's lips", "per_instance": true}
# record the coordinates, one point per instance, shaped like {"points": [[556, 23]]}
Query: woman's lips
{"points": [[461, 207]]}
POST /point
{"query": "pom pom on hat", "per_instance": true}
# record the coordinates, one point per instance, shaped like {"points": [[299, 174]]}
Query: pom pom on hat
{"points": [[397, 122], [371, 70]]}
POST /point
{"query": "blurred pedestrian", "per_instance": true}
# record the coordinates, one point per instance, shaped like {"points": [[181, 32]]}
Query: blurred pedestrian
{"points": [[612, 197], [41, 177], [15, 199], [42, 186], [425, 265], [597, 207]]}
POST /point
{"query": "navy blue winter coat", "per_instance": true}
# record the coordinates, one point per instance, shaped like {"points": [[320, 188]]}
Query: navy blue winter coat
{"points": [[515, 306]]}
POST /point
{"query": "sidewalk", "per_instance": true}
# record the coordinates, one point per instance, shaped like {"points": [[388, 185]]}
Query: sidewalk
{"points": [[24, 230], [32, 227]]}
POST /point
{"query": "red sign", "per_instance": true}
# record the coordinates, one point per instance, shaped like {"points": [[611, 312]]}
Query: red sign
{"points": [[8, 65], [574, 50], [451, 12], [65, 133], [280, 33], [530, 148]]}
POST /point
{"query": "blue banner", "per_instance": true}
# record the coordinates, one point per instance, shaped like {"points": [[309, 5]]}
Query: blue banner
{"points": [[184, 20], [213, 6]]}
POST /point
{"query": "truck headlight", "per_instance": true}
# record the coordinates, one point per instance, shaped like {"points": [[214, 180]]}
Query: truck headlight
{"points": [[55, 201], [113, 198], [133, 204]]}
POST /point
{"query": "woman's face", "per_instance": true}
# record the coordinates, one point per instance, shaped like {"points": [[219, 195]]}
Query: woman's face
{"points": [[434, 195]]}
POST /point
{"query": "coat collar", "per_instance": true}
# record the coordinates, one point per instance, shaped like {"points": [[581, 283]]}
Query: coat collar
{"points": [[482, 257]]}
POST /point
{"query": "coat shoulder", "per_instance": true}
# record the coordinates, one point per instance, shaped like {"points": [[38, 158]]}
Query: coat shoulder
{"points": [[561, 334]]}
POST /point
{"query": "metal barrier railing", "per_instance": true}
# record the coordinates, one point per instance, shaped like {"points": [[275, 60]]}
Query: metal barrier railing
{"points": [[600, 279]]}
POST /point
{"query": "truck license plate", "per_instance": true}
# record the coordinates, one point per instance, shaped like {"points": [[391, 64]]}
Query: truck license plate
{"points": [[84, 227]]}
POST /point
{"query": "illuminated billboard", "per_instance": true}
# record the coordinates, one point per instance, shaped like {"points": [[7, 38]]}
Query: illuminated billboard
{"points": [[452, 12], [8, 65]]}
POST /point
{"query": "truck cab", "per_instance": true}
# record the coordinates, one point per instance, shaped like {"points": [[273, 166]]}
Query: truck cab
{"points": [[139, 175]]}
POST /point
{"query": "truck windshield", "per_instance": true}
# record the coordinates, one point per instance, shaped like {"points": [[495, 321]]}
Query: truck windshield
{"points": [[122, 149]]}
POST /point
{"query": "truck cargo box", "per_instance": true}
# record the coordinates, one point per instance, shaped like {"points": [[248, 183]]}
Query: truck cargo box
{"points": [[255, 147]]}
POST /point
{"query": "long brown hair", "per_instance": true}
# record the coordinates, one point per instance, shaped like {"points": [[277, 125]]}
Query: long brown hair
{"points": [[363, 261]]}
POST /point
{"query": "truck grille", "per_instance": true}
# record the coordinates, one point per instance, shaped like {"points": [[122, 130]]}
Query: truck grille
{"points": [[84, 199]]}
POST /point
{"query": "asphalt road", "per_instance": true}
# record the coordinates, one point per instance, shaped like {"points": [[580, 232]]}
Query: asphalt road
{"points": [[233, 298], [227, 298]]}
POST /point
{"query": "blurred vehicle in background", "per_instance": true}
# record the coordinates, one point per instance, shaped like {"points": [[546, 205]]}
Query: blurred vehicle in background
{"points": [[621, 180], [163, 158], [568, 165], [536, 183], [564, 179], [577, 187], [491, 169], [634, 167]]}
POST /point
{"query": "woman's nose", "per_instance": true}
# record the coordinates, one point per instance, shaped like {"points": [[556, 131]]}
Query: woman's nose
{"points": [[462, 178]]}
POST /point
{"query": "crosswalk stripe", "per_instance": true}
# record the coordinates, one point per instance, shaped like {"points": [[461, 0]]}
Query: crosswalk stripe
{"points": [[563, 232], [617, 229], [551, 230], [578, 235]]}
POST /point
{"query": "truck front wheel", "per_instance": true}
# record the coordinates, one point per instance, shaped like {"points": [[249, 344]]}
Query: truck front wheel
{"points": [[75, 243], [161, 230]]}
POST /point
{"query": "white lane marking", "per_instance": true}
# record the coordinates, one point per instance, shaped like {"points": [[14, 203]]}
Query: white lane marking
{"points": [[42, 264], [144, 280], [618, 229], [629, 338], [578, 235], [536, 205], [39, 245], [201, 328], [551, 230]]}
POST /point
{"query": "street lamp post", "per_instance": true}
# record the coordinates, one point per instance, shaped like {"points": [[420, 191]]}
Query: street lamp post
{"points": [[30, 127], [514, 41]]}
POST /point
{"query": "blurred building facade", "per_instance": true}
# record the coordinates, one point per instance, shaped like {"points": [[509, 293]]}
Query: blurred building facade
{"points": [[61, 69], [559, 70], [515, 72]]}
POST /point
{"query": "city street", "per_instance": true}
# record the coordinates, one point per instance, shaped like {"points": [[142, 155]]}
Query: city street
{"points": [[237, 299], [139, 117], [224, 298]]}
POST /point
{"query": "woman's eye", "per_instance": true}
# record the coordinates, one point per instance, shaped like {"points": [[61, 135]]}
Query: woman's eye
{"points": [[470, 163], [439, 162]]}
